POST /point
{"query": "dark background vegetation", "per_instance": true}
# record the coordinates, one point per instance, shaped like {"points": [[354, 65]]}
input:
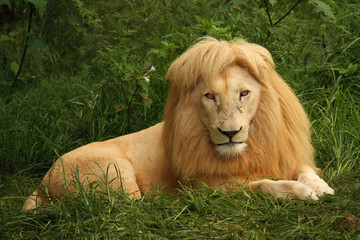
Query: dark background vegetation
{"points": [[71, 72]]}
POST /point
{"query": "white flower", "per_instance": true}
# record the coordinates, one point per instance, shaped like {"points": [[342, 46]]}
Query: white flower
{"points": [[147, 79], [151, 69]]}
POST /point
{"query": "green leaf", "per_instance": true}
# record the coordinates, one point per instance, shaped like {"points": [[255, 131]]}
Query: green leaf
{"points": [[324, 8], [14, 66], [272, 2], [332, 3], [40, 5], [4, 38]]}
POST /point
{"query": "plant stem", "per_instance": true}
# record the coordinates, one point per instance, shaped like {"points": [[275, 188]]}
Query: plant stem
{"points": [[129, 104], [280, 19], [268, 12], [286, 14], [26, 45], [124, 92]]}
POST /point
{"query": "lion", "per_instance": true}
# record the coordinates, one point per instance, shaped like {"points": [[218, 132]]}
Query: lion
{"points": [[230, 121]]}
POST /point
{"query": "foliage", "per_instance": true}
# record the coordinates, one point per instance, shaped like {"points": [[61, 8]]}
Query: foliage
{"points": [[82, 80]]}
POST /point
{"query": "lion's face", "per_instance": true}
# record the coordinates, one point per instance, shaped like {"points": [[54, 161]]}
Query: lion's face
{"points": [[226, 106]]}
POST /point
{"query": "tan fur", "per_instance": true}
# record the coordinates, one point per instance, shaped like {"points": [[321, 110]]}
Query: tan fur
{"points": [[273, 141]]}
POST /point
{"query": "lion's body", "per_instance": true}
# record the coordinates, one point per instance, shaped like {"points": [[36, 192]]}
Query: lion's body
{"points": [[137, 157], [228, 115]]}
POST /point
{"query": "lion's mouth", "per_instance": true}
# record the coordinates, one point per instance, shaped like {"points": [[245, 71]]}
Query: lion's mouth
{"points": [[231, 149], [229, 144]]}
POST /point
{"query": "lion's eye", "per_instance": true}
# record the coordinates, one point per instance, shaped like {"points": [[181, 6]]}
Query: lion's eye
{"points": [[244, 93], [210, 96]]}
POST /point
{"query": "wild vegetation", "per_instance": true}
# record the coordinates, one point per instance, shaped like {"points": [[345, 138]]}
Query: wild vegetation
{"points": [[73, 72]]}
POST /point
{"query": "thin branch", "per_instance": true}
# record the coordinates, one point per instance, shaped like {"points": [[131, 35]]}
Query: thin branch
{"points": [[124, 92], [286, 14], [129, 104], [267, 11], [26, 45], [133, 95], [278, 21]]}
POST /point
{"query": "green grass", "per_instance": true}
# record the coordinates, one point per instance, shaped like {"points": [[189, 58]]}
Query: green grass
{"points": [[70, 93], [195, 214]]}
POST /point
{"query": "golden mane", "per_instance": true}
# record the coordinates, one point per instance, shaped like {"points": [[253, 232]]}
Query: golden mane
{"points": [[279, 139]]}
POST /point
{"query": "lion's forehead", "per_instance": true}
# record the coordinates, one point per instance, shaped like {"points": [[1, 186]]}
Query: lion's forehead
{"points": [[233, 80]]}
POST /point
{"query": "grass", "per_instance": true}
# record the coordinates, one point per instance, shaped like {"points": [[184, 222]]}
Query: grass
{"points": [[201, 214], [70, 93]]}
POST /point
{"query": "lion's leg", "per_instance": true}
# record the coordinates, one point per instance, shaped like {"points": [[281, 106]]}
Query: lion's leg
{"points": [[121, 176], [307, 176], [37, 198], [287, 189]]}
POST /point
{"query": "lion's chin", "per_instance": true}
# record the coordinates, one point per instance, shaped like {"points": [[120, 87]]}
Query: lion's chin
{"points": [[230, 150]]}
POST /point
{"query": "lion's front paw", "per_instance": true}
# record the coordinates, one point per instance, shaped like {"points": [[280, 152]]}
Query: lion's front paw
{"points": [[307, 176], [318, 185], [296, 190], [285, 189]]}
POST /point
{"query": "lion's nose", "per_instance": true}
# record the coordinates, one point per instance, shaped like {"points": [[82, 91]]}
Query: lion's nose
{"points": [[230, 134]]}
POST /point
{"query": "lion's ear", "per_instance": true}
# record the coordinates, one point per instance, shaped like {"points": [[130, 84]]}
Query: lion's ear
{"points": [[181, 72], [252, 53], [264, 53]]}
